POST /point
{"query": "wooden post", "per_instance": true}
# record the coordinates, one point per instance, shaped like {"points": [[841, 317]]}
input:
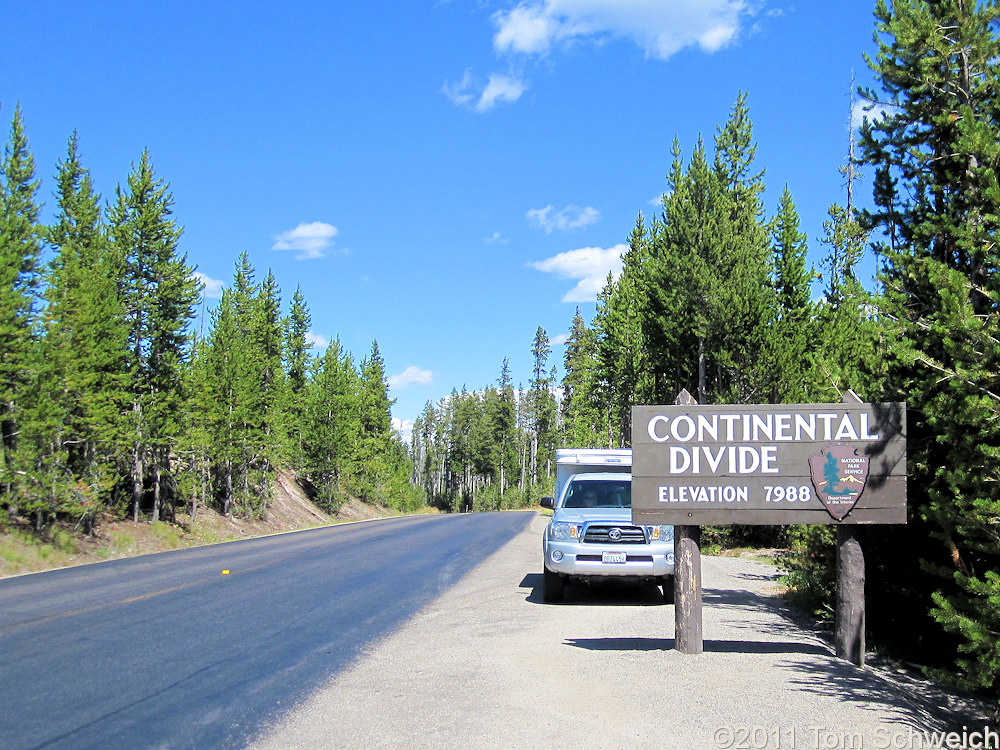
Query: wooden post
{"points": [[849, 620], [849, 626], [687, 578], [687, 590]]}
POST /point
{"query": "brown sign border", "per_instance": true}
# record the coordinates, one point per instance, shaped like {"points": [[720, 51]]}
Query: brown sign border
{"points": [[702, 499]]}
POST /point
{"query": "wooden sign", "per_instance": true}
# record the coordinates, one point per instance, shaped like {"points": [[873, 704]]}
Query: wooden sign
{"points": [[769, 464]]}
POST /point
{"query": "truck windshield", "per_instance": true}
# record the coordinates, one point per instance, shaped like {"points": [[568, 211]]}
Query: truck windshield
{"points": [[588, 494]]}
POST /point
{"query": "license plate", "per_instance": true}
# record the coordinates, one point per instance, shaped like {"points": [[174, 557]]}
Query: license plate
{"points": [[613, 558]]}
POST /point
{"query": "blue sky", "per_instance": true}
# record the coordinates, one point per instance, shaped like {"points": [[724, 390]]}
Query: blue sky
{"points": [[442, 176]]}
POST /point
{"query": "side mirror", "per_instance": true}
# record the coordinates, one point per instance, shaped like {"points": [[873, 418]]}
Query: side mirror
{"points": [[548, 502]]}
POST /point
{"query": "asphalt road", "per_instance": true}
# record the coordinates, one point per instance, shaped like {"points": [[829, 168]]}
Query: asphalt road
{"points": [[170, 651]]}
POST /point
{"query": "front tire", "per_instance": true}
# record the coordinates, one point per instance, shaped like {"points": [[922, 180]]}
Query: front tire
{"points": [[553, 586]]}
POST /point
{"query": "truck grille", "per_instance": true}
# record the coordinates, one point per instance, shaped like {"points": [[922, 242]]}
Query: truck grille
{"points": [[606, 534]]}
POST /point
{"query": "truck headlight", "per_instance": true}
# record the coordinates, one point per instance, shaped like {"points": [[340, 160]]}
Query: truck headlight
{"points": [[563, 530], [660, 533]]}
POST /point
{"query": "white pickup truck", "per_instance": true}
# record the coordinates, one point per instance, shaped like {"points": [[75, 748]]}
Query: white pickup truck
{"points": [[591, 534]]}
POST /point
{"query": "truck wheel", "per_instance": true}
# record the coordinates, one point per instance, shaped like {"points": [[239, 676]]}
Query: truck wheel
{"points": [[553, 586], [668, 590]]}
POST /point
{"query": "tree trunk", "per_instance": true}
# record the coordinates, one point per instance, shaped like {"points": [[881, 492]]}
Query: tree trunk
{"points": [[137, 471], [156, 493], [227, 498], [701, 370]]}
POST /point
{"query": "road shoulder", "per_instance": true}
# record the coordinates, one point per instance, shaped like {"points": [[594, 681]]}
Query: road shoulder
{"points": [[487, 664]]}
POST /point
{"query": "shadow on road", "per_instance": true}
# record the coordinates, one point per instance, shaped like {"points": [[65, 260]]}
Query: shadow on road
{"points": [[600, 593], [903, 698], [711, 646]]}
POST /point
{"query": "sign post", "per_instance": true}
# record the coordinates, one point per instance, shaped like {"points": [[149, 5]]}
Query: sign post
{"points": [[849, 617], [771, 464], [688, 637], [849, 620]]}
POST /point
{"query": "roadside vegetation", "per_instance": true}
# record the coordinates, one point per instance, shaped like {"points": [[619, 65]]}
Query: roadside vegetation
{"points": [[117, 401]]}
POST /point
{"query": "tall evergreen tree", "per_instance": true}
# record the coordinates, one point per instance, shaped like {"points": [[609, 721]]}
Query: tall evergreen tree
{"points": [[375, 450], [158, 292], [245, 364], [624, 367], [748, 306], [542, 405], [791, 347], [847, 350], [791, 274], [296, 351], [708, 305], [20, 248], [84, 339], [503, 430], [331, 431], [580, 403], [938, 206], [266, 350]]}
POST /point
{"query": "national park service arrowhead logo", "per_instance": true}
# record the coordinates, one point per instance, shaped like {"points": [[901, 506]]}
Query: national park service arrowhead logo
{"points": [[839, 475]]}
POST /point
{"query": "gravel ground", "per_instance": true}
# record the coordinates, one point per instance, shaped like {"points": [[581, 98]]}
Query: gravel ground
{"points": [[488, 665]]}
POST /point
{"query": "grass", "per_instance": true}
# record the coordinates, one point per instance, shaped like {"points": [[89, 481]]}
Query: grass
{"points": [[22, 552]]}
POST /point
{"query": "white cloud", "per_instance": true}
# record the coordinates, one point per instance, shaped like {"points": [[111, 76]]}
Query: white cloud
{"points": [[571, 217], [496, 238], [411, 376], [590, 265], [473, 94], [660, 28], [212, 288], [460, 93], [316, 341], [500, 88], [559, 340], [310, 240], [526, 28]]}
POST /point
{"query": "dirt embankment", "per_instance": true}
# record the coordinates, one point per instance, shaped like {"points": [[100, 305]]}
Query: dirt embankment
{"points": [[290, 509]]}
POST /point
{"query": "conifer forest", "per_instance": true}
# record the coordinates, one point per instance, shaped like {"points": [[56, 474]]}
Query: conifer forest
{"points": [[113, 403]]}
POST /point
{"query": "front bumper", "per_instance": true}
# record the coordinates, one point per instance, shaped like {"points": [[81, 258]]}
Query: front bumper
{"points": [[642, 561]]}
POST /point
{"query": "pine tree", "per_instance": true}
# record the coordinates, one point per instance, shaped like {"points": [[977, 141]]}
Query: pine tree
{"points": [[20, 248], [706, 299], [681, 280], [296, 349], [791, 275], [266, 350], [791, 347], [84, 341], [847, 349], [246, 376], [938, 207], [225, 365], [378, 459], [542, 406], [158, 292], [376, 406], [580, 404], [504, 424], [748, 307], [198, 447], [624, 365]]}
